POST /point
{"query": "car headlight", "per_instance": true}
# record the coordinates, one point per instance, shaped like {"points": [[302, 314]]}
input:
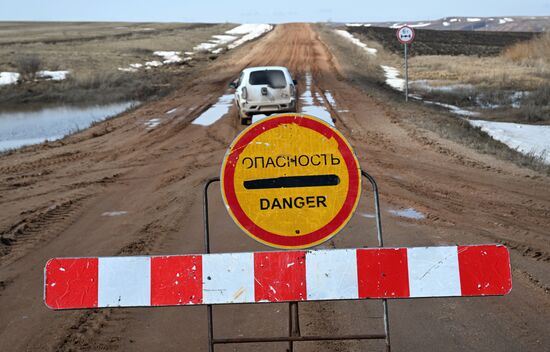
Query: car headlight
{"points": [[244, 93]]}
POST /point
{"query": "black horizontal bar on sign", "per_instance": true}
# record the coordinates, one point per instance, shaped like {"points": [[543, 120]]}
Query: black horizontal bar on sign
{"points": [[297, 338], [293, 182]]}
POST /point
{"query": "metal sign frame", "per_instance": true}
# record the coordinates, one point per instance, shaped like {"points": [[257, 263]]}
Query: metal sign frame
{"points": [[294, 334], [260, 223]]}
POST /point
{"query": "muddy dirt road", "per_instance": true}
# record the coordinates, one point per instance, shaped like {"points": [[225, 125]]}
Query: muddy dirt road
{"points": [[123, 188]]}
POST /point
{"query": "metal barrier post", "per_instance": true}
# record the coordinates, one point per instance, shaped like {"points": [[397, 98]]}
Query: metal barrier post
{"points": [[380, 244], [207, 251]]}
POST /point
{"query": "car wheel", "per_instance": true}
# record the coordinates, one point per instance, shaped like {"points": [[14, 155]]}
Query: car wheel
{"points": [[245, 121]]}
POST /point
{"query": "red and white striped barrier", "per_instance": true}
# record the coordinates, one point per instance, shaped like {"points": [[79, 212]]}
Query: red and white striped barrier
{"points": [[277, 276]]}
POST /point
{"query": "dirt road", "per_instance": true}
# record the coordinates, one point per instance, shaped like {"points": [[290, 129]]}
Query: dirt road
{"points": [[121, 188]]}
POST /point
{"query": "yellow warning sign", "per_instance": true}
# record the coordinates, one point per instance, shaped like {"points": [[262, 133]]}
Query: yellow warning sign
{"points": [[291, 181]]}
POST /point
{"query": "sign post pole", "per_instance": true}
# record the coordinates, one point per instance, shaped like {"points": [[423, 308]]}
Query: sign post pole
{"points": [[406, 75], [405, 35]]}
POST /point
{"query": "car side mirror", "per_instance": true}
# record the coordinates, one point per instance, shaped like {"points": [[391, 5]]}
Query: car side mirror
{"points": [[233, 85], [295, 82]]}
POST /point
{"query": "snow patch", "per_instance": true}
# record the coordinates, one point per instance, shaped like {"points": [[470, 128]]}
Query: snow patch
{"points": [[454, 109], [114, 213], [250, 31], [8, 78], [247, 32], [420, 25], [12, 77], [215, 42], [127, 69], [153, 63], [308, 104], [517, 97], [348, 36], [358, 24], [53, 75], [527, 139], [446, 24], [152, 123], [392, 78], [473, 19], [409, 213], [330, 99], [505, 20], [216, 111], [170, 57]]}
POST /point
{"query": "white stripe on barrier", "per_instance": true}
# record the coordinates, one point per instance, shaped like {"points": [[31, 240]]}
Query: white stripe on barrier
{"points": [[433, 272], [124, 281], [228, 278], [331, 274]]}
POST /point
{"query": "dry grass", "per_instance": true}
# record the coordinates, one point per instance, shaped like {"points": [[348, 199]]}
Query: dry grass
{"points": [[485, 72], [28, 66], [533, 53], [91, 88], [523, 67], [93, 52], [98, 47]]}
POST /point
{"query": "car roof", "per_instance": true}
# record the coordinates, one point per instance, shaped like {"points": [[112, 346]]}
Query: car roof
{"points": [[263, 68]]}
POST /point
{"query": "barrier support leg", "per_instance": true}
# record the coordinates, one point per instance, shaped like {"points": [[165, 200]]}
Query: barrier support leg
{"points": [[380, 244], [210, 321], [294, 323]]}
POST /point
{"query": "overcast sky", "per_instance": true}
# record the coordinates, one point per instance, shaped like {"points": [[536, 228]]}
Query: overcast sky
{"points": [[273, 11]]}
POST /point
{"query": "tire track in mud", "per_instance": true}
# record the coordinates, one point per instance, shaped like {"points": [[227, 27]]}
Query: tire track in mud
{"points": [[101, 329], [39, 225], [44, 163]]}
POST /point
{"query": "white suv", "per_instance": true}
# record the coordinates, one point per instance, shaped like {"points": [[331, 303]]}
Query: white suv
{"points": [[264, 90]]}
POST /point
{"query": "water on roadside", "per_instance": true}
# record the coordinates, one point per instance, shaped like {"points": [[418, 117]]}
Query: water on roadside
{"points": [[22, 128]]}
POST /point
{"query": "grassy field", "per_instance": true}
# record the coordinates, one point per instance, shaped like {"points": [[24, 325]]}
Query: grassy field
{"points": [[93, 53]]}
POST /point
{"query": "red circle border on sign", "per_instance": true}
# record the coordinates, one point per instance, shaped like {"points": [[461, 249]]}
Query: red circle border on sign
{"points": [[401, 41], [264, 236]]}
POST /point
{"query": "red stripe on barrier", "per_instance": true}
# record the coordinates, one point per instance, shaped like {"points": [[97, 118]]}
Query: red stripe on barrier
{"points": [[176, 280], [280, 276], [71, 283], [484, 270], [382, 273]]}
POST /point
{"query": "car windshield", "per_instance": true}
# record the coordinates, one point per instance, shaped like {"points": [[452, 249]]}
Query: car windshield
{"points": [[273, 78]]}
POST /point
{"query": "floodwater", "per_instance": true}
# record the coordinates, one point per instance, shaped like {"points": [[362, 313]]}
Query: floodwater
{"points": [[409, 213], [31, 127]]}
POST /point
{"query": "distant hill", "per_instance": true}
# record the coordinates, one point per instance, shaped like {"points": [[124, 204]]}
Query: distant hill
{"points": [[505, 24]]}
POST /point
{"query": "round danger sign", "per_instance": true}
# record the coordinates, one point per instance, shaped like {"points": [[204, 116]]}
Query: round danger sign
{"points": [[405, 35], [290, 181]]}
